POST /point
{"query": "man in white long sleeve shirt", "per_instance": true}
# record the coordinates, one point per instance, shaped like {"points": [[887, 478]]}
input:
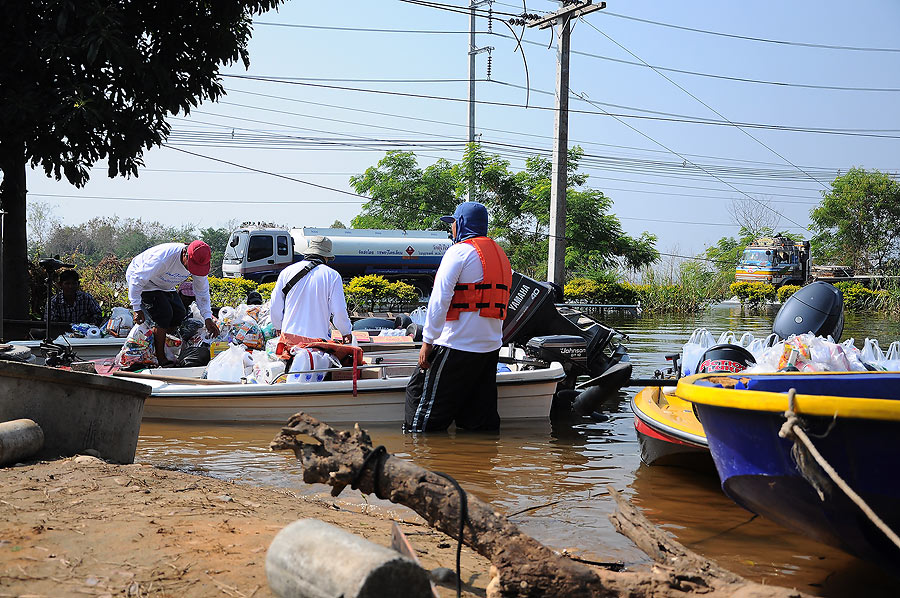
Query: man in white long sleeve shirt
{"points": [[309, 294], [152, 277], [463, 332]]}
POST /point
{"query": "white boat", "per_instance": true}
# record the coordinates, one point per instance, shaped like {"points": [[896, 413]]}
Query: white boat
{"points": [[179, 394], [85, 349]]}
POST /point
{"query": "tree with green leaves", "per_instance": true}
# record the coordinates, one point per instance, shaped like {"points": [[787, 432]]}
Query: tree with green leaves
{"points": [[858, 222], [406, 196], [96, 80]]}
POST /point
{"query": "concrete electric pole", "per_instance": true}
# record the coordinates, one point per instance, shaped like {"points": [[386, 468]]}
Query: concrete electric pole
{"points": [[562, 19], [473, 51]]}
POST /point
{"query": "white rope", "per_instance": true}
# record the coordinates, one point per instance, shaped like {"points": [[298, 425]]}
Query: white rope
{"points": [[791, 428]]}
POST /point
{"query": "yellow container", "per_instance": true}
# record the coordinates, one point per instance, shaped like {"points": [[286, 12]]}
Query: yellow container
{"points": [[217, 347]]}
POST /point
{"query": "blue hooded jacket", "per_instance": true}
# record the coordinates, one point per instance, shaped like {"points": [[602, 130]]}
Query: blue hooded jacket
{"points": [[471, 220]]}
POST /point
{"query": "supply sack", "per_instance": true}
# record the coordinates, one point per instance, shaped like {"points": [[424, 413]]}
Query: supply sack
{"points": [[813, 354], [418, 315], [872, 354], [758, 345], [692, 351], [245, 330], [306, 360], [120, 322], [193, 355], [138, 347], [892, 357], [230, 365], [727, 337], [267, 370]]}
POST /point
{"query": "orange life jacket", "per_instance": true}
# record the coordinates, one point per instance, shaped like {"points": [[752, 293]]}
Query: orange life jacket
{"points": [[491, 295]]}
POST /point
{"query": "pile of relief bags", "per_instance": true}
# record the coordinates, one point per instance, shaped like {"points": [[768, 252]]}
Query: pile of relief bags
{"points": [[245, 348], [806, 352]]}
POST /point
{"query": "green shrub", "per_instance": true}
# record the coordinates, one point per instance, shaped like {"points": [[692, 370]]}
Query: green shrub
{"points": [[229, 291], [401, 293], [785, 291], [860, 298], [585, 290], [753, 294], [265, 290]]}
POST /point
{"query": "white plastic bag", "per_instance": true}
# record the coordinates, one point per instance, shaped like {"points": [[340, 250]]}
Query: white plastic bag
{"points": [[758, 345], [692, 351], [230, 365], [746, 339], [872, 353], [727, 337], [310, 359], [418, 315]]}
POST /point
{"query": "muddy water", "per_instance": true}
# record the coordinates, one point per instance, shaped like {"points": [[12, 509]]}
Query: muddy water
{"points": [[555, 475]]}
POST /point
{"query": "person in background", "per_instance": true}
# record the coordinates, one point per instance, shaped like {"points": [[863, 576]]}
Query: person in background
{"points": [[152, 277], [308, 294], [254, 298], [463, 333], [73, 305], [186, 294]]}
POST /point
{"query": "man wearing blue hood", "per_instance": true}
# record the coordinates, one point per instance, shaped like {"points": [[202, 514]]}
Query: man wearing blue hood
{"points": [[463, 333]]}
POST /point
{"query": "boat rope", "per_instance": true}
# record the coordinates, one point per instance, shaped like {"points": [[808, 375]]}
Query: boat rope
{"points": [[463, 517], [792, 430]]}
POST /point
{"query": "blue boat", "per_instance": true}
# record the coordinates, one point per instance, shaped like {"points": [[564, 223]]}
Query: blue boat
{"points": [[851, 418]]}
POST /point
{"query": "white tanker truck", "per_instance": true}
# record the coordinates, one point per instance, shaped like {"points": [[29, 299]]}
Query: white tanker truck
{"points": [[259, 252]]}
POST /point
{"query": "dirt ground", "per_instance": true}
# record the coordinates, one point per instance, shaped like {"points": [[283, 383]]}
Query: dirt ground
{"points": [[82, 527]]}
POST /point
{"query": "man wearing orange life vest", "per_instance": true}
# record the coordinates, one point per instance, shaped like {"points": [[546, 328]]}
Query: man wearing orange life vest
{"points": [[457, 375]]}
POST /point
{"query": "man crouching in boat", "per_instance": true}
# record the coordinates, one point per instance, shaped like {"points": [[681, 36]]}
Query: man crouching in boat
{"points": [[152, 277], [457, 375]]}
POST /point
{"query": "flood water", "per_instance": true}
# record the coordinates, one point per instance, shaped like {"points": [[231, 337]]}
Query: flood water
{"points": [[560, 474]]}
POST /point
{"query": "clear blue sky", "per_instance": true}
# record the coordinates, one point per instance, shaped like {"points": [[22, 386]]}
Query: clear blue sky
{"points": [[310, 132]]}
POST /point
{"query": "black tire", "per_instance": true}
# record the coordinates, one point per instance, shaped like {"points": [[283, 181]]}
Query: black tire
{"points": [[15, 353]]}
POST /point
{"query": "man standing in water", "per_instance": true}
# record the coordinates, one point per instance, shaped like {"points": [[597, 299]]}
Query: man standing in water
{"points": [[457, 375], [152, 277]]}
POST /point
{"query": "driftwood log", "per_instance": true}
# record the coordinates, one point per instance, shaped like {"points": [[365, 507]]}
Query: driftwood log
{"points": [[521, 566]]}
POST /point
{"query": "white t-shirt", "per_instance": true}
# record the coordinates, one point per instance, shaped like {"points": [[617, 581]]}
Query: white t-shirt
{"points": [[471, 332], [311, 303], [160, 269]]}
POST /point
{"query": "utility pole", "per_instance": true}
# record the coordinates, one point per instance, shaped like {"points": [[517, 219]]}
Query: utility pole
{"points": [[473, 51], [559, 181]]}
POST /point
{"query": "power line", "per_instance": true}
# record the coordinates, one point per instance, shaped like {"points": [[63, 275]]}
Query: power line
{"points": [[716, 112], [551, 109], [364, 29], [751, 38], [715, 76]]}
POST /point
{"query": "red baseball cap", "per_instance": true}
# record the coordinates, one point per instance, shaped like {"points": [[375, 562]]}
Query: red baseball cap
{"points": [[198, 254]]}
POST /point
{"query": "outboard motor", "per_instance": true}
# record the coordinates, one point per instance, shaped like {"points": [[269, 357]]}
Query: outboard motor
{"points": [[817, 308], [550, 333], [725, 358]]}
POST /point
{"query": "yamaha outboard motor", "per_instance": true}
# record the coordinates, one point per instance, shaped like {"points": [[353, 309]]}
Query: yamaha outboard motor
{"points": [[725, 358], [556, 333], [817, 308]]}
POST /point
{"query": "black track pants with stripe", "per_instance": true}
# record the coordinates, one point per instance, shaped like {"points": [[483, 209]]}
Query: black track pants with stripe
{"points": [[458, 386]]}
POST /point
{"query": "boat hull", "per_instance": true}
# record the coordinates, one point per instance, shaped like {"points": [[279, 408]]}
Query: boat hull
{"points": [[668, 432], [767, 475], [521, 395]]}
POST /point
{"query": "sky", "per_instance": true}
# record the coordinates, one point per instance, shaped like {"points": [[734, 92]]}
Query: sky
{"points": [[659, 93]]}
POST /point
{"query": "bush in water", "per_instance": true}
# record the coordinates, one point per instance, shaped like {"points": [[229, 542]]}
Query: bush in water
{"points": [[785, 292], [860, 298], [753, 294]]}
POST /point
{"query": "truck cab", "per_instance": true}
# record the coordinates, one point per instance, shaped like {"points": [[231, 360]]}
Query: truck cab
{"points": [[257, 253], [774, 260]]}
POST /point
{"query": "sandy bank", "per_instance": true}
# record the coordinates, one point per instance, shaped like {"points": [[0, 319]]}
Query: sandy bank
{"points": [[82, 527]]}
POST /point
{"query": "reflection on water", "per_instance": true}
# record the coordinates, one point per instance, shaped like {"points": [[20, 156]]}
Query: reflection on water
{"points": [[560, 472]]}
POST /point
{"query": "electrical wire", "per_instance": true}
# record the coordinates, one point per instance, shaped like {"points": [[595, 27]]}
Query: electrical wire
{"points": [[751, 38], [716, 112]]}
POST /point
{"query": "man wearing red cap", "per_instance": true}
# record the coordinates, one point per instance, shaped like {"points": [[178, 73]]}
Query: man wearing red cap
{"points": [[152, 277]]}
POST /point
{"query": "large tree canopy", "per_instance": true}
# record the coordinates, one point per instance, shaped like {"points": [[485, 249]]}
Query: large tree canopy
{"points": [[96, 79], [858, 221], [405, 196]]}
